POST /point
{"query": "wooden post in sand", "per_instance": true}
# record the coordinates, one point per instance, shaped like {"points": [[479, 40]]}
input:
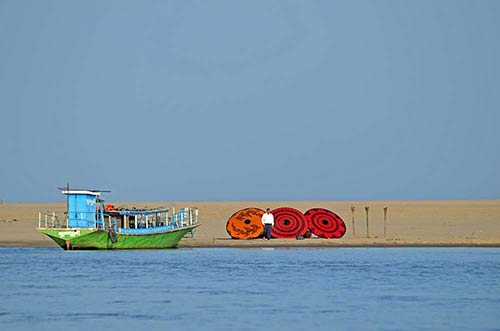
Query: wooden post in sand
{"points": [[353, 228], [385, 222], [367, 228]]}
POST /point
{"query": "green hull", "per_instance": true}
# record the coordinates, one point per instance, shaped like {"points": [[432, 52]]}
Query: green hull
{"points": [[98, 239]]}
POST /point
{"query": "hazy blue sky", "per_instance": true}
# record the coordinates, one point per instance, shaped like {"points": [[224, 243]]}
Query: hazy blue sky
{"points": [[250, 100]]}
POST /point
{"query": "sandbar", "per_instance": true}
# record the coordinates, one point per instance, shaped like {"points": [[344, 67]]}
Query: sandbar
{"points": [[461, 223]]}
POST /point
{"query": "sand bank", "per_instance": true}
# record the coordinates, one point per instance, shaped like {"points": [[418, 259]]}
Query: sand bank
{"points": [[409, 223]]}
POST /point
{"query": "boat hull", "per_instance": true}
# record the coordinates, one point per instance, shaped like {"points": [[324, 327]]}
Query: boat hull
{"points": [[75, 239]]}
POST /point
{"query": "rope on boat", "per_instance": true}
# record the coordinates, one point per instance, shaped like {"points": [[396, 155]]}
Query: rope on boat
{"points": [[112, 236]]}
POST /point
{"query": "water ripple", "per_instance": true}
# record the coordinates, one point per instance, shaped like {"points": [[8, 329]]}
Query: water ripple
{"points": [[228, 289]]}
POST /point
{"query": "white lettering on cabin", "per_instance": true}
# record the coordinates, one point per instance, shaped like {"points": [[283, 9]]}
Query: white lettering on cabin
{"points": [[71, 234], [90, 202]]}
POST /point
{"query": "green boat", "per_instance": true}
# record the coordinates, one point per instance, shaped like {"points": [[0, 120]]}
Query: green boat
{"points": [[89, 224]]}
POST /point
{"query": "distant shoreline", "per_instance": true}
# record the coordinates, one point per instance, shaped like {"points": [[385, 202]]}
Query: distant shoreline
{"points": [[292, 245], [458, 223]]}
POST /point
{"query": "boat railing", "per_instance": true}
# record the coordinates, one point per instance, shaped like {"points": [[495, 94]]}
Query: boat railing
{"points": [[185, 217], [48, 219], [90, 220]]}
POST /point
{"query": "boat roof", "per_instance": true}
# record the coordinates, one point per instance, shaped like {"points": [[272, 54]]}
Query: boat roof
{"points": [[81, 191], [143, 212]]}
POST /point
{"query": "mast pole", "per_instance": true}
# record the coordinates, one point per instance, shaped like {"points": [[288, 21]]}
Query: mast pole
{"points": [[67, 204]]}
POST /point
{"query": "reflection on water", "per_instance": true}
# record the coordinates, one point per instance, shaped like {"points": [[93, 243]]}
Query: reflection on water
{"points": [[248, 289]]}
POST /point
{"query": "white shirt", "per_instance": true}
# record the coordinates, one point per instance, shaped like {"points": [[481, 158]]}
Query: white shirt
{"points": [[268, 219]]}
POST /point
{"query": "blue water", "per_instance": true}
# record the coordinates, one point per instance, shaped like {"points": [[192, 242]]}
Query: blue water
{"points": [[251, 289]]}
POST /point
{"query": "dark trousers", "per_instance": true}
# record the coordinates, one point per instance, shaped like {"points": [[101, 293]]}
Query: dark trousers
{"points": [[267, 230]]}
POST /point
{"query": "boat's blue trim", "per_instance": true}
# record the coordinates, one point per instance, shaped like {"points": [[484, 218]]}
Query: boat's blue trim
{"points": [[155, 229]]}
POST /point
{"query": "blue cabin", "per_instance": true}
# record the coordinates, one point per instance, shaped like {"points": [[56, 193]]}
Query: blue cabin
{"points": [[82, 208]]}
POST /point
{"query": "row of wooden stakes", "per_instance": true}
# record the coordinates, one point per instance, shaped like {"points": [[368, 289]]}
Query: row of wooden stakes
{"points": [[367, 211]]}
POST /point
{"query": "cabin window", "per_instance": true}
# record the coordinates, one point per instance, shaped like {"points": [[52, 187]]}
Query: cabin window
{"points": [[131, 222]]}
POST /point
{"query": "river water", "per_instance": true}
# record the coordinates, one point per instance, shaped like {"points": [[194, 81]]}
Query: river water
{"points": [[251, 289]]}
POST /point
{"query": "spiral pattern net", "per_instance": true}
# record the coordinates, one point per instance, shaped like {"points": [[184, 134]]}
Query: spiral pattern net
{"points": [[288, 223], [325, 223], [246, 224]]}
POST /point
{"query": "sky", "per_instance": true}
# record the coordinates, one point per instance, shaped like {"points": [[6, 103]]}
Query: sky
{"points": [[250, 100]]}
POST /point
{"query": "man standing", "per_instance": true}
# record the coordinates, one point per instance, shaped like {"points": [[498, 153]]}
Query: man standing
{"points": [[268, 221]]}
